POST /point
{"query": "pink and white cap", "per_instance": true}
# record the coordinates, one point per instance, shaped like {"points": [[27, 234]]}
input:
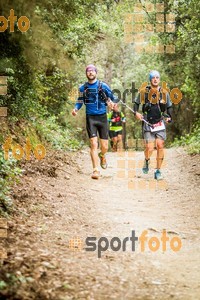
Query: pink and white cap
{"points": [[91, 67]]}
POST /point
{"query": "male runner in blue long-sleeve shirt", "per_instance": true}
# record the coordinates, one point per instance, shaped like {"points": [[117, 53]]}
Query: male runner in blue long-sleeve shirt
{"points": [[96, 96]]}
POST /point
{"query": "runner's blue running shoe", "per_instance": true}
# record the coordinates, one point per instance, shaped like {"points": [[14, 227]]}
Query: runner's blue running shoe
{"points": [[158, 175], [145, 168]]}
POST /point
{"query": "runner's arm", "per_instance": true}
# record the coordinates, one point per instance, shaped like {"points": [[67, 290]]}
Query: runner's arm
{"points": [[169, 109], [136, 108], [109, 95], [108, 91], [79, 102]]}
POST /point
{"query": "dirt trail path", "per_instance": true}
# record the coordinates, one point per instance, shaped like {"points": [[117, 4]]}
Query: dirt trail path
{"points": [[61, 203]]}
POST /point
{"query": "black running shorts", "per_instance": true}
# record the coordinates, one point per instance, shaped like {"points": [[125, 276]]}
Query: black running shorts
{"points": [[113, 133], [97, 124]]}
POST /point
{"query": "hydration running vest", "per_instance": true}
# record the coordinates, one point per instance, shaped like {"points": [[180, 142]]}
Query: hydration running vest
{"points": [[87, 91], [118, 118], [153, 111]]}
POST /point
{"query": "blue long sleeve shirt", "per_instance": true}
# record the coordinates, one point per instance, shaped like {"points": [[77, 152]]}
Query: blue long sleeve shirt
{"points": [[93, 103]]}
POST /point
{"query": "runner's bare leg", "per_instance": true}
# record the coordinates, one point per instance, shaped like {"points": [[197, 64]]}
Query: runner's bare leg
{"points": [[149, 147], [160, 152], [94, 151], [114, 139], [104, 146], [119, 141]]}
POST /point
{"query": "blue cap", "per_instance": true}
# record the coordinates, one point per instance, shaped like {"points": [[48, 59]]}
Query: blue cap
{"points": [[153, 73]]}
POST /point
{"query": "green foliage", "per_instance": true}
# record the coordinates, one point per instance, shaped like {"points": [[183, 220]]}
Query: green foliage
{"points": [[51, 90], [12, 281], [3, 285], [58, 136], [190, 141], [44, 64], [8, 176]]}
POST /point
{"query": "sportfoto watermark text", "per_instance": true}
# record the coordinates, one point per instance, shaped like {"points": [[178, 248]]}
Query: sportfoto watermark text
{"points": [[128, 243], [23, 22]]}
